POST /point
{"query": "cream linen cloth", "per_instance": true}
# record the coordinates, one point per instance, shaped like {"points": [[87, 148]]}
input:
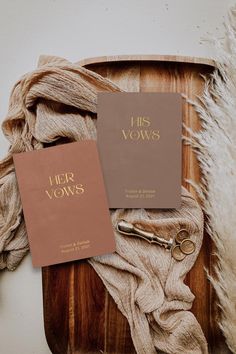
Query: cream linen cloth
{"points": [[56, 104]]}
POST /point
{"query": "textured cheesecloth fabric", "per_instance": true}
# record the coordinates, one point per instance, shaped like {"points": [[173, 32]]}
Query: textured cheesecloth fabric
{"points": [[56, 104]]}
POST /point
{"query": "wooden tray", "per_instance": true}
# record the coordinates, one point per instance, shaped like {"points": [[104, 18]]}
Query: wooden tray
{"points": [[79, 314]]}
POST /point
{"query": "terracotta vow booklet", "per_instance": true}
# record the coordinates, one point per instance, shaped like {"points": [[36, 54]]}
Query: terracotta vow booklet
{"points": [[139, 141], [64, 203]]}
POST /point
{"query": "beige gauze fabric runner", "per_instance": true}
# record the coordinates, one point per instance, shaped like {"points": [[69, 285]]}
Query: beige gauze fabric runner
{"points": [[56, 104]]}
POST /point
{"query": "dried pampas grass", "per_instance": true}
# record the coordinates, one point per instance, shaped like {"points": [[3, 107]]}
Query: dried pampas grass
{"points": [[216, 149]]}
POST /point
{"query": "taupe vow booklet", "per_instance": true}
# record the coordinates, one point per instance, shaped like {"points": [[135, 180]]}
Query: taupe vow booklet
{"points": [[139, 141], [64, 203]]}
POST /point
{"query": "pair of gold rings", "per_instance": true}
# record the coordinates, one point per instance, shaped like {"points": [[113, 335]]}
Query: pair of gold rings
{"points": [[183, 247]]}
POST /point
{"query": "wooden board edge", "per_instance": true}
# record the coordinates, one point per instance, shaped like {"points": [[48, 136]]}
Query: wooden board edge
{"points": [[151, 57]]}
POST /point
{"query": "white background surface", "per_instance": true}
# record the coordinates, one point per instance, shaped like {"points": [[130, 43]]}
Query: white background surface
{"points": [[75, 30]]}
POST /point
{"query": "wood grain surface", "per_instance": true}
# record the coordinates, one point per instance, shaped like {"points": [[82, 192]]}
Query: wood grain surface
{"points": [[79, 314]]}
